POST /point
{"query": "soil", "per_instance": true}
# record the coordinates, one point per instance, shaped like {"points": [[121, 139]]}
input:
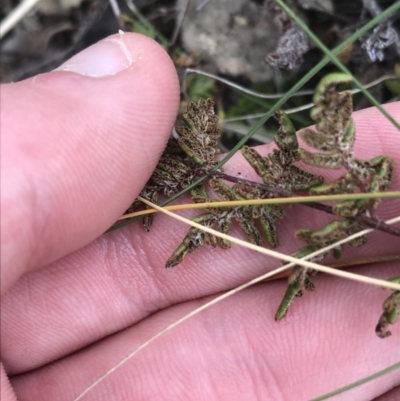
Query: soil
{"points": [[248, 41]]}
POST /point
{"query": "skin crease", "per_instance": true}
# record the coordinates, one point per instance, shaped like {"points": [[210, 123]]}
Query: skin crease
{"points": [[73, 306]]}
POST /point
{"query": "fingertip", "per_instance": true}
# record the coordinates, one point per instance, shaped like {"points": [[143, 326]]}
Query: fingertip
{"points": [[78, 148]]}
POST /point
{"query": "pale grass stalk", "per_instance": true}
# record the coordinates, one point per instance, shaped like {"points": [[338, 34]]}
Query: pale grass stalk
{"points": [[307, 105], [278, 201], [293, 261], [16, 15], [282, 256], [239, 87], [115, 9], [271, 95]]}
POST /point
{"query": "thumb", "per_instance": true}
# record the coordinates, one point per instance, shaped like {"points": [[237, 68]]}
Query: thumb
{"points": [[78, 144]]}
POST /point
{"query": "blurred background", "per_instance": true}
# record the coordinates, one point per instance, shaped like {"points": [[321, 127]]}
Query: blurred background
{"points": [[251, 44]]}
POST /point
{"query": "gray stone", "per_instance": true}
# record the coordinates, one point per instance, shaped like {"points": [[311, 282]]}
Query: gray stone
{"points": [[325, 6], [232, 35]]}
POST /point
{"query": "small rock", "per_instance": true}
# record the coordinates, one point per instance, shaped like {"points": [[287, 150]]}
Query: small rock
{"points": [[325, 6], [233, 35]]}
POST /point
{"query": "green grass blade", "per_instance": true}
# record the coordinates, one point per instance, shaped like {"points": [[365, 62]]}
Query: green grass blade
{"points": [[143, 20], [358, 383], [332, 57], [294, 89], [375, 21]]}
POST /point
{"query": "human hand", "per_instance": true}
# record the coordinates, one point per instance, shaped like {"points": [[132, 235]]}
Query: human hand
{"points": [[75, 152]]}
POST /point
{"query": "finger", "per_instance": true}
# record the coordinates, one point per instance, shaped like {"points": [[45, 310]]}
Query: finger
{"points": [[120, 279], [235, 350], [78, 144], [392, 395], [6, 391]]}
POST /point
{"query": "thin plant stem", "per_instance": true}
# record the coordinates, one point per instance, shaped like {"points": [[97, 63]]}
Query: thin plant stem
{"points": [[287, 198], [179, 22], [308, 105], [16, 15], [273, 201], [350, 263], [131, 5], [366, 261], [238, 87], [117, 13], [358, 382]]}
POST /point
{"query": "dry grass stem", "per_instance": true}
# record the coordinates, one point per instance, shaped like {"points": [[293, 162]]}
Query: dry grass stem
{"points": [[287, 258], [294, 199], [16, 15], [293, 261]]}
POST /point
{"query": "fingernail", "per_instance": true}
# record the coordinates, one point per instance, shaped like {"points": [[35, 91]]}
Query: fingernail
{"points": [[107, 57]]}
